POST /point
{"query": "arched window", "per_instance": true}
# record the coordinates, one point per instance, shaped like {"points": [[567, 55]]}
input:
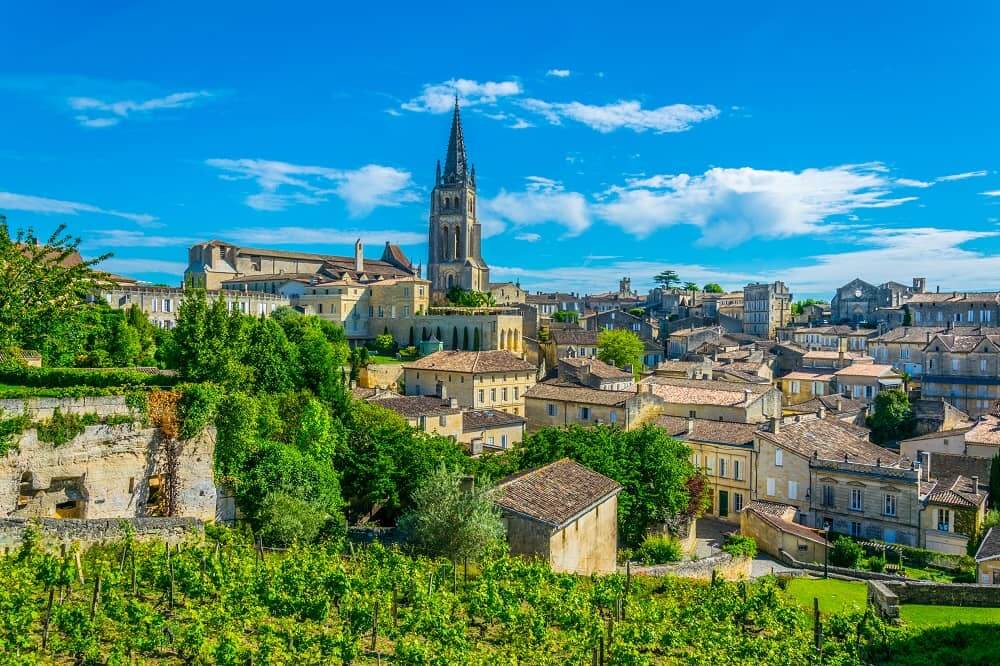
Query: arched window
{"points": [[450, 281], [465, 340], [456, 254], [444, 243], [517, 341], [503, 339]]}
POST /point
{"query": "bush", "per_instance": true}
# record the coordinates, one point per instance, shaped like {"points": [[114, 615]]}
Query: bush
{"points": [[740, 545], [284, 520], [656, 549], [11, 427], [62, 428], [67, 377], [876, 563], [846, 553], [197, 408], [917, 557], [385, 345]]}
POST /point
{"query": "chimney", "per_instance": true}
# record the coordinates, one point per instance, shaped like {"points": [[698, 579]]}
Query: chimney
{"points": [[821, 412], [453, 402], [442, 391], [359, 256], [925, 457], [840, 403], [975, 485], [690, 429], [775, 424]]}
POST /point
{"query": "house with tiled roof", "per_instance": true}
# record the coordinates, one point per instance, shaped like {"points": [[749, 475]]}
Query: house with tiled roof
{"points": [[962, 366], [563, 513], [772, 526], [723, 451], [903, 347], [988, 558], [478, 380], [835, 406], [736, 402], [864, 381]]}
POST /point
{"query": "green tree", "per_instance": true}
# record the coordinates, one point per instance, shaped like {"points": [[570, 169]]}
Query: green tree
{"points": [[452, 517], [713, 288], [566, 316], [274, 360], [467, 298], [667, 279], [385, 344], [125, 346], [690, 286], [146, 332], [654, 469], [637, 312], [209, 341], [620, 347], [798, 306], [846, 553], [44, 289], [892, 418], [316, 435]]}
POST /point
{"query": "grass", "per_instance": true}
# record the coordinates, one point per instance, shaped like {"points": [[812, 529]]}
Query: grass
{"points": [[916, 615], [381, 359], [834, 595]]}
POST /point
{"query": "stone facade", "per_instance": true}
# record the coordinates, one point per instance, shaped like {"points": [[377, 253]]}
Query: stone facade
{"points": [[766, 307], [109, 472], [860, 302], [964, 369], [161, 304], [499, 388], [956, 308], [39, 409], [68, 531]]}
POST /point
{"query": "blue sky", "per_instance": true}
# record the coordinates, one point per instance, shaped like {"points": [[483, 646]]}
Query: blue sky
{"points": [[728, 142]]}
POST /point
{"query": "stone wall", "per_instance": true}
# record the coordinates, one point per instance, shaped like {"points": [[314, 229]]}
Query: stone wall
{"points": [[945, 594], [884, 600], [43, 408], [55, 531], [381, 375], [109, 472], [724, 564], [839, 572]]}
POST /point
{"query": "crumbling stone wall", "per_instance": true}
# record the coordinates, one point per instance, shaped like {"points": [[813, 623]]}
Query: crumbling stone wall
{"points": [[109, 472], [56, 532], [723, 565]]}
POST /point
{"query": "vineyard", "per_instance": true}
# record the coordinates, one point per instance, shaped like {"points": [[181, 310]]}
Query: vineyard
{"points": [[225, 601]]}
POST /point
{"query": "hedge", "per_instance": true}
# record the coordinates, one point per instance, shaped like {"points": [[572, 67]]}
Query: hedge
{"points": [[26, 392], [75, 377]]}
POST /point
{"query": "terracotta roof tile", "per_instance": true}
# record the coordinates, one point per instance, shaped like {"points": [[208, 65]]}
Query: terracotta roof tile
{"points": [[706, 392], [485, 419], [867, 370], [573, 336], [830, 439], [556, 493], [412, 406], [555, 389], [463, 361], [707, 430], [989, 549]]}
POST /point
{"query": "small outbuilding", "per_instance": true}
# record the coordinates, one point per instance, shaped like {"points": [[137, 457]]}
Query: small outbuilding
{"points": [[564, 513], [988, 558]]}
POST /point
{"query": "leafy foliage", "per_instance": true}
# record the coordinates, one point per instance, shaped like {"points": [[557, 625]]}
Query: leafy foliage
{"points": [[73, 377], [846, 553], [620, 347], [713, 288], [740, 545], [566, 316], [450, 520], [667, 279], [468, 298], [892, 418], [659, 549], [798, 306], [690, 286]]}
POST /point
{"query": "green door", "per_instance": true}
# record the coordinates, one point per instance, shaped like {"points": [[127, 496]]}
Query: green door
{"points": [[723, 503]]}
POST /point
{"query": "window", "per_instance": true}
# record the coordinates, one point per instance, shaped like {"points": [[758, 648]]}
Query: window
{"points": [[794, 388], [971, 316], [956, 364], [819, 388], [737, 501], [319, 308], [868, 392], [890, 505], [613, 417], [855, 529], [736, 471], [585, 413], [984, 315], [982, 365], [442, 420], [503, 392], [697, 461], [692, 414], [422, 422], [503, 441], [493, 395], [722, 467], [904, 353], [770, 487], [828, 495], [550, 409], [793, 490], [406, 311], [482, 395], [944, 520], [515, 393], [857, 499], [779, 457]]}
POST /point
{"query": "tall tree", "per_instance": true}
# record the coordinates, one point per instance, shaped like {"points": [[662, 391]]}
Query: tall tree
{"points": [[667, 279], [621, 348], [274, 360], [713, 288], [44, 288], [892, 418], [690, 286]]}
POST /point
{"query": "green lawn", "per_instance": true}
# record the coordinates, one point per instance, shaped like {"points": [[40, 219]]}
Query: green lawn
{"points": [[834, 595], [379, 359], [942, 616]]}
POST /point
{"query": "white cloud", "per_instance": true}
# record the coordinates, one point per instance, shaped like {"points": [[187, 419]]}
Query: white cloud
{"points": [[991, 193], [362, 189], [440, 97], [528, 237], [322, 236], [520, 123], [731, 206], [542, 201], [558, 73], [100, 113], [33, 204], [960, 176], [627, 114], [116, 238], [910, 182]]}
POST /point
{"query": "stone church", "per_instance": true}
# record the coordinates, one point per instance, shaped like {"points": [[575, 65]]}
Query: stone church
{"points": [[454, 236]]}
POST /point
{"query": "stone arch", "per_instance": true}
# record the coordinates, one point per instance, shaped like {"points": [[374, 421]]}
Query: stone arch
{"points": [[503, 339], [455, 251], [426, 334], [517, 340], [465, 340], [451, 281], [444, 243], [454, 337], [476, 342]]}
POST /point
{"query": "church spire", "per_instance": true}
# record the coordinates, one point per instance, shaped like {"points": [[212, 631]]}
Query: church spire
{"points": [[454, 163]]}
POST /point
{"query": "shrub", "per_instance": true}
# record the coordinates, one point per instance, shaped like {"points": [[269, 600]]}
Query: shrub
{"points": [[384, 344], [876, 563], [285, 519], [9, 428], [197, 408], [846, 553], [62, 428], [740, 545], [657, 549], [66, 377]]}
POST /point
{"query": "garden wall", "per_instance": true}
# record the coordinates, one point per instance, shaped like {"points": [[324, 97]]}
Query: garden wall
{"points": [[85, 532], [42, 408], [724, 564], [381, 375]]}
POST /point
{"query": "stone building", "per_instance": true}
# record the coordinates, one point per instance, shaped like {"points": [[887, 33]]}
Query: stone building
{"points": [[564, 514], [686, 341], [478, 380], [715, 400], [801, 386], [903, 348], [964, 369], [988, 558], [772, 525], [568, 343], [958, 308], [454, 237], [955, 492], [979, 439], [864, 381], [829, 338], [507, 293], [766, 307], [161, 304], [860, 302], [724, 453]]}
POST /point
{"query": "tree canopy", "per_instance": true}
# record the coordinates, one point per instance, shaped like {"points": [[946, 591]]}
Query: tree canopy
{"points": [[713, 288], [892, 418], [468, 298], [621, 348], [566, 316], [667, 279]]}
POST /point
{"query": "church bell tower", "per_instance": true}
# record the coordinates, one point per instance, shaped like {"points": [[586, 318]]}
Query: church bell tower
{"points": [[454, 235]]}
